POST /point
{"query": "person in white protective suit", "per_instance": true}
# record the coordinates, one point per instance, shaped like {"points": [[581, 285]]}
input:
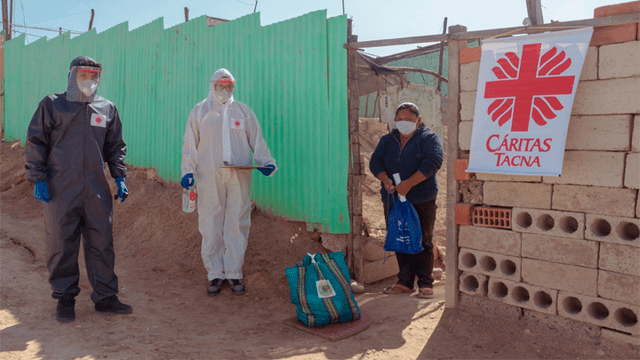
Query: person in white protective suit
{"points": [[223, 132]]}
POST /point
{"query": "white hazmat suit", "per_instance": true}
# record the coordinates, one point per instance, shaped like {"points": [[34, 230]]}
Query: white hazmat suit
{"points": [[219, 134]]}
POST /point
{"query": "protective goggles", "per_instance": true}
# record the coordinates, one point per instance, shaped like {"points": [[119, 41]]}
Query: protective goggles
{"points": [[224, 84]]}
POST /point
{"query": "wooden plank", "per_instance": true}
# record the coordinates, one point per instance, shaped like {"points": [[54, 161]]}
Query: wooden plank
{"points": [[355, 259], [599, 22], [481, 34], [424, 71], [397, 41], [444, 31], [423, 50], [452, 293]]}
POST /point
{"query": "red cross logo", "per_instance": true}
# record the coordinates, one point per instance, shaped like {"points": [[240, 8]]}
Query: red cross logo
{"points": [[237, 123], [526, 88], [98, 120]]}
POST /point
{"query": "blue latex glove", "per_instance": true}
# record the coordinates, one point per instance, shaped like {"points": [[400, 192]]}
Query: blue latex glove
{"points": [[269, 171], [187, 180], [41, 191], [123, 192]]}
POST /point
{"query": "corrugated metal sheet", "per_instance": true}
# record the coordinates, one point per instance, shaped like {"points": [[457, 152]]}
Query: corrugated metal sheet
{"points": [[292, 74]]}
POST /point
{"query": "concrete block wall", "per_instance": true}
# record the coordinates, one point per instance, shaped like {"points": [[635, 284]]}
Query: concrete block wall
{"points": [[490, 264], [598, 311], [523, 295], [575, 239]]}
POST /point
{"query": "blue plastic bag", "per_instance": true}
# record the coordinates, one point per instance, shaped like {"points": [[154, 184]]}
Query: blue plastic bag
{"points": [[404, 233], [320, 288]]}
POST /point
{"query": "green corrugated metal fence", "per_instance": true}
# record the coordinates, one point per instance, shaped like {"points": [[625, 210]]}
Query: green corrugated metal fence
{"points": [[293, 74]]}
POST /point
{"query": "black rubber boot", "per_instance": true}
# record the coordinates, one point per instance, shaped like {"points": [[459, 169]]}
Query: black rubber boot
{"points": [[113, 305], [65, 312]]}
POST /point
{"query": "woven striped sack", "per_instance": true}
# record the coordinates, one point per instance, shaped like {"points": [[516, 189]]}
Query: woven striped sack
{"points": [[320, 288]]}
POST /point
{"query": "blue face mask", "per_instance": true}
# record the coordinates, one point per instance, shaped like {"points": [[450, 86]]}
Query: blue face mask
{"points": [[406, 127]]}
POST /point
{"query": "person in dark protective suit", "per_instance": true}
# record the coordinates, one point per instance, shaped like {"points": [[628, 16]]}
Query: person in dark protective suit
{"points": [[70, 138]]}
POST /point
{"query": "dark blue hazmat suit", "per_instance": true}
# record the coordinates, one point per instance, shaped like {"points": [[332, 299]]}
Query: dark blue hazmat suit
{"points": [[69, 140]]}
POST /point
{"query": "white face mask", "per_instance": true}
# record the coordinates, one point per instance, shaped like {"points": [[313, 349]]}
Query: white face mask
{"points": [[406, 127], [222, 95], [87, 87]]}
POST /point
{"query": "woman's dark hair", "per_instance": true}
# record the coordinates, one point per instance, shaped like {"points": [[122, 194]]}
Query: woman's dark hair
{"points": [[409, 106]]}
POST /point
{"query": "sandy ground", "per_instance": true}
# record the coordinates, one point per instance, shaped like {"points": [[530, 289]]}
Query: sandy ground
{"points": [[161, 275]]}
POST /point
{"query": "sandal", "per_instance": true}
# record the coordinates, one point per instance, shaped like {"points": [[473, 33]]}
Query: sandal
{"points": [[397, 289], [425, 293]]}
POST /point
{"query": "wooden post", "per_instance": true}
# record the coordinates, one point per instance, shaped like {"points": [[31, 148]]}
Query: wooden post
{"points": [[366, 106], [91, 21], [444, 31], [355, 258], [11, 21], [5, 21], [186, 14], [452, 292], [60, 31], [375, 106]]}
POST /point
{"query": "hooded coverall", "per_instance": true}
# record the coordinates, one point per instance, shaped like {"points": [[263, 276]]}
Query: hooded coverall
{"points": [[216, 134], [69, 140]]}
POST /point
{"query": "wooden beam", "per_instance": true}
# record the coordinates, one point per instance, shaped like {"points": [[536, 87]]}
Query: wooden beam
{"points": [[398, 41], [91, 21], [598, 22], [444, 31], [355, 256], [5, 21], [452, 292], [408, 54], [412, 69], [481, 34]]}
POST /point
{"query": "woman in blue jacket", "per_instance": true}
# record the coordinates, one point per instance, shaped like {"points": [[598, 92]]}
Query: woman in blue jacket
{"points": [[416, 153]]}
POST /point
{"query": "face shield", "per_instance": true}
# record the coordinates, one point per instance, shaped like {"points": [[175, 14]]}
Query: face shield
{"points": [[223, 89], [82, 83], [87, 79]]}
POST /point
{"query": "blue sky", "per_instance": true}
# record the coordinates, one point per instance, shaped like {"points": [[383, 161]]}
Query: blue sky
{"points": [[372, 19]]}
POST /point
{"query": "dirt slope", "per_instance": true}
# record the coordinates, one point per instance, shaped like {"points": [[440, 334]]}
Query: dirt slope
{"points": [[162, 277]]}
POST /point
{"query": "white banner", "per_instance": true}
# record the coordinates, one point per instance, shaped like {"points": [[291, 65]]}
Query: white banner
{"points": [[526, 87]]}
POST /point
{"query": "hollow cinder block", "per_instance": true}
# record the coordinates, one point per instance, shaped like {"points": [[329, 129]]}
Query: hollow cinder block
{"points": [[562, 250], [464, 134], [473, 283], [380, 269], [467, 105], [517, 194], [591, 168], [632, 171], [493, 240], [560, 276], [589, 199], [491, 264], [523, 295], [613, 96], [619, 287], [620, 258], [549, 222], [598, 311], [619, 60], [612, 229]]}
